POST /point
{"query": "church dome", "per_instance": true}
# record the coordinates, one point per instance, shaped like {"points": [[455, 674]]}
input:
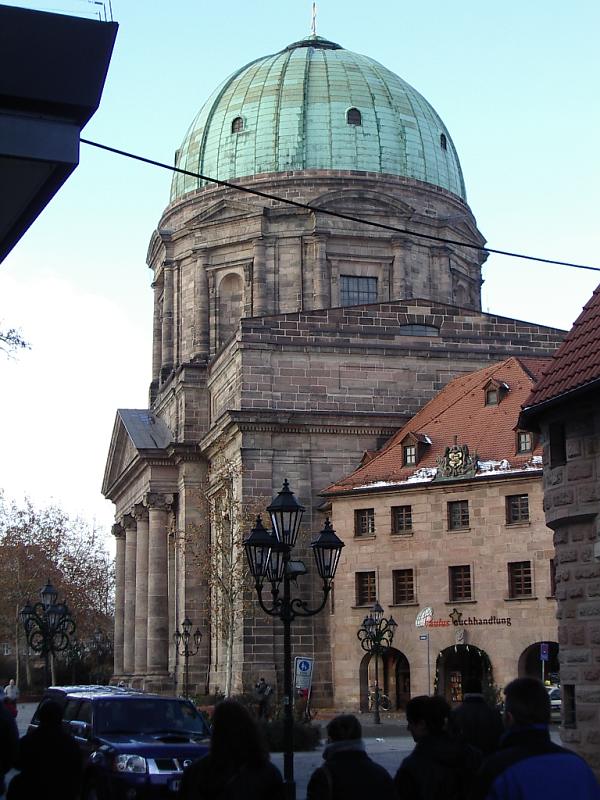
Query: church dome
{"points": [[318, 106]]}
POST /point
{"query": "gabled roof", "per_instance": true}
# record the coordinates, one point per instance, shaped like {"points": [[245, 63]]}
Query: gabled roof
{"points": [[458, 413], [576, 363]]}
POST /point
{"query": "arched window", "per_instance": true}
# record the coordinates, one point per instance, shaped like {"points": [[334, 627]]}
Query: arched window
{"points": [[443, 141], [237, 125], [353, 116]]}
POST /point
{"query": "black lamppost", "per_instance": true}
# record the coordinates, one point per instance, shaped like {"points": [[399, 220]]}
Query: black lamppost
{"points": [[269, 558], [187, 644], [375, 636], [49, 626]]}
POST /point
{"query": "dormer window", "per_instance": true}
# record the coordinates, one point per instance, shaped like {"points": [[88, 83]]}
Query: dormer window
{"points": [[443, 141], [353, 116], [409, 455], [494, 391], [237, 125], [524, 442], [413, 448]]}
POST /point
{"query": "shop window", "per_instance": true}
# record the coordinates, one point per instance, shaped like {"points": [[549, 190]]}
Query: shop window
{"points": [[364, 522], [402, 519], [458, 515], [524, 442], [237, 125], [353, 116], [404, 586], [520, 582], [355, 290], [459, 580], [366, 593], [558, 448], [517, 508]]}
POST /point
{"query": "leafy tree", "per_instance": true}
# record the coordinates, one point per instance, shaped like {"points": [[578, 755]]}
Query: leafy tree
{"points": [[40, 544]]}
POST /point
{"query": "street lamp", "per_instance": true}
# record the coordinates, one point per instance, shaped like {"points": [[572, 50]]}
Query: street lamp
{"points": [[269, 559], [49, 626], [375, 636], [187, 644]]}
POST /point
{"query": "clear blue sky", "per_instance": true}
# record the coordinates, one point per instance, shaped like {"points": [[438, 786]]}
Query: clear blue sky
{"points": [[516, 84]]}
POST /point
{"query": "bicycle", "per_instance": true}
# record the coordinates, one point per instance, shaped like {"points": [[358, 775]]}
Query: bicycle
{"points": [[384, 700]]}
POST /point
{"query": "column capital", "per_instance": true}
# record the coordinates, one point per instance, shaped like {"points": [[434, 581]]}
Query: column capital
{"points": [[158, 500], [140, 512], [128, 522], [117, 530]]}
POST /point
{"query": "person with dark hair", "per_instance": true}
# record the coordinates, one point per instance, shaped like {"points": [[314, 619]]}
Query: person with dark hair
{"points": [[49, 760], [528, 764], [348, 773], [474, 721], [440, 767], [237, 766], [9, 741]]}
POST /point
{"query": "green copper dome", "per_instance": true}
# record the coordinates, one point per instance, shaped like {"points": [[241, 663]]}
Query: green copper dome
{"points": [[315, 105]]}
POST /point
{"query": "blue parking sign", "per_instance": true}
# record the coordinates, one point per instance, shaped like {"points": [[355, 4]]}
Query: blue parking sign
{"points": [[544, 651]]}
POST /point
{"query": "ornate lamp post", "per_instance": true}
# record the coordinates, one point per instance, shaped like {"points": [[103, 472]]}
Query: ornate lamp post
{"points": [[49, 626], [269, 558], [187, 644], [375, 636]]}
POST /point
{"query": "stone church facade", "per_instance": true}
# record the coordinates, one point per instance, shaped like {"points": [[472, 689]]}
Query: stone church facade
{"points": [[287, 341]]}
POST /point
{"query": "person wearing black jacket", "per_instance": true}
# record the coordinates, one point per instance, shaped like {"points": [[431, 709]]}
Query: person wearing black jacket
{"points": [[440, 767], [348, 773], [9, 741], [528, 764], [475, 722]]}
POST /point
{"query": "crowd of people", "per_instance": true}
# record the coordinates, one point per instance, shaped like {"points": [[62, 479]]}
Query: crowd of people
{"points": [[468, 753]]}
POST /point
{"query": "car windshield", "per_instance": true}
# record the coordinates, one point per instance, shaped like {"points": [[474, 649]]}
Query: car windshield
{"points": [[148, 715]]}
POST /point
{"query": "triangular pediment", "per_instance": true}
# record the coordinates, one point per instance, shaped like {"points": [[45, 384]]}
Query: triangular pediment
{"points": [[136, 432], [223, 210]]}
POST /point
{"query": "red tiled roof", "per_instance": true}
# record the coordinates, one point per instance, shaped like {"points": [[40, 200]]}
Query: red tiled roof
{"points": [[459, 411], [576, 363]]}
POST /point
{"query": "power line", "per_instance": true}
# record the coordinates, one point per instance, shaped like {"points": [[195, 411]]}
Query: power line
{"points": [[338, 214]]}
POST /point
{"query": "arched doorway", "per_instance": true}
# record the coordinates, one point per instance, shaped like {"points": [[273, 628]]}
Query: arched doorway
{"points": [[531, 664], [456, 665], [393, 672]]}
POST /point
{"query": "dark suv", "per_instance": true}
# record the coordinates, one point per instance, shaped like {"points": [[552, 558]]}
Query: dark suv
{"points": [[135, 745]]}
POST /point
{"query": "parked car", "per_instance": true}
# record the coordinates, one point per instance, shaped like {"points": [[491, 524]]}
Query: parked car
{"points": [[135, 745], [555, 696]]}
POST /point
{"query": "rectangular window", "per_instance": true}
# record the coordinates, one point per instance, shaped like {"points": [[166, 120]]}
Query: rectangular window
{"points": [[458, 515], [519, 579], [409, 455], [404, 586], [524, 442], [364, 522], [558, 448], [459, 580], [552, 578], [517, 508], [366, 590], [569, 709], [401, 519], [355, 290]]}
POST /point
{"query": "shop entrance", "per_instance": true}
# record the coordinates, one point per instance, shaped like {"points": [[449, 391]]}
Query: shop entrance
{"points": [[458, 664], [531, 664], [394, 679]]}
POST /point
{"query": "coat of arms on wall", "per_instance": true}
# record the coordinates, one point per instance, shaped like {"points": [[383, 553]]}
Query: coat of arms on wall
{"points": [[456, 463]]}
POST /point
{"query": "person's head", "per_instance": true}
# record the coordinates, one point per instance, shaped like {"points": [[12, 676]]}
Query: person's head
{"points": [[236, 738], [11, 682], [472, 686], [344, 728], [526, 703], [426, 715], [50, 714]]}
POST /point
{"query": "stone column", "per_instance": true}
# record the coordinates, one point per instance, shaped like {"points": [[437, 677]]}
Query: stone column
{"points": [[167, 319], [157, 333], [140, 661], [201, 338], [441, 277], [321, 281], [158, 581], [119, 534], [129, 604], [259, 279]]}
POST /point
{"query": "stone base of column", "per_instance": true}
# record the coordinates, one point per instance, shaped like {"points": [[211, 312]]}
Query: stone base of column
{"points": [[158, 683]]}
